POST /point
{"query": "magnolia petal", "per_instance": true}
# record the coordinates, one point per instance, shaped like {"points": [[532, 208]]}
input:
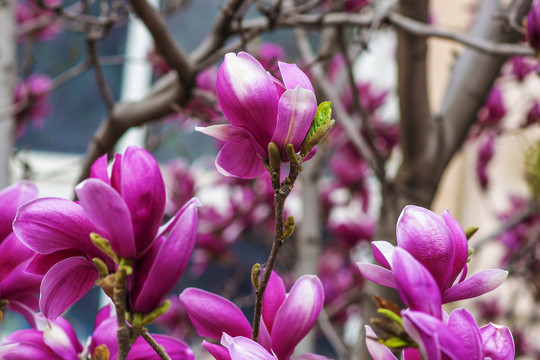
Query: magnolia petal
{"points": [[247, 96], [476, 285], [13, 253], [377, 350], [217, 351], [105, 208], [166, 228], [105, 334], [417, 287], [293, 77], [462, 323], [377, 274], [160, 270], [242, 348], [239, 160], [64, 284], [40, 264], [175, 348], [47, 225], [232, 133], [425, 337], [18, 283], [11, 198], [461, 246], [295, 114], [26, 351], [62, 339], [297, 315], [498, 342], [99, 170], [433, 336], [411, 354], [143, 191], [273, 298], [213, 315], [383, 252], [27, 309], [425, 236]]}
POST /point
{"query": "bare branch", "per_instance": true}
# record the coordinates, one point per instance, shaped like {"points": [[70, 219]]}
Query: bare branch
{"points": [[164, 41]]}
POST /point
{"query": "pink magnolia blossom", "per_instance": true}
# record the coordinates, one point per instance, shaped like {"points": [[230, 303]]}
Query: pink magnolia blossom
{"points": [[286, 318], [456, 337], [440, 245], [533, 115], [127, 209], [532, 26], [522, 66], [494, 109], [486, 150], [17, 287], [31, 99], [54, 340], [261, 109], [29, 13]]}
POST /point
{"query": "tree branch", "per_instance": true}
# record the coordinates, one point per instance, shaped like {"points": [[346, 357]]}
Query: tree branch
{"points": [[164, 41], [468, 87]]}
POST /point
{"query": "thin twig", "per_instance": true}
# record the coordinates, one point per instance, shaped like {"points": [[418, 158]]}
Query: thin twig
{"points": [[280, 195], [120, 299], [160, 350]]}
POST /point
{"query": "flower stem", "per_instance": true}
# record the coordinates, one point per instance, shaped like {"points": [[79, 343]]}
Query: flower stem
{"points": [[281, 191], [120, 298]]}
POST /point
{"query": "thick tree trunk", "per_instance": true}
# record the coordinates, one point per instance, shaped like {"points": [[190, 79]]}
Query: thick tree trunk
{"points": [[7, 81]]}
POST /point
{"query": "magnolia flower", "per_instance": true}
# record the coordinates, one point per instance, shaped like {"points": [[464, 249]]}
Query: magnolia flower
{"points": [[31, 99], [54, 340], [286, 318], [532, 27], [17, 287], [457, 337], [261, 109], [486, 150], [440, 245], [242, 348], [126, 209], [494, 108]]}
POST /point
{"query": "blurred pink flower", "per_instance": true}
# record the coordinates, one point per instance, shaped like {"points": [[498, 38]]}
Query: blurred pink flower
{"points": [[31, 99]]}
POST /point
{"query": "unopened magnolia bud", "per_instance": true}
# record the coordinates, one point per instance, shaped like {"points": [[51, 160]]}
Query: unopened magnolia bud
{"points": [[101, 267], [255, 275], [289, 228], [317, 137], [101, 352], [291, 154], [471, 231], [274, 156]]}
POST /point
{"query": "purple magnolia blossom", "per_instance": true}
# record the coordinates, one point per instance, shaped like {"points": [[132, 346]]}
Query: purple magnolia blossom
{"points": [[494, 109], [42, 21], [55, 340], [31, 99], [286, 318], [269, 54], [440, 245], [457, 337], [533, 115], [105, 333], [243, 348], [522, 66], [127, 209], [532, 26], [261, 109], [486, 150], [17, 287]]}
